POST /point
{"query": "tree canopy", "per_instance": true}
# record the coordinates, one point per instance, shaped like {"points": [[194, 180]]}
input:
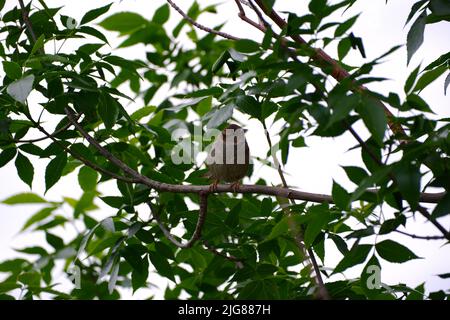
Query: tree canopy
{"points": [[95, 115]]}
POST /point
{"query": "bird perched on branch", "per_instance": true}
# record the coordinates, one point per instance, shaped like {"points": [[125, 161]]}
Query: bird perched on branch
{"points": [[229, 158]]}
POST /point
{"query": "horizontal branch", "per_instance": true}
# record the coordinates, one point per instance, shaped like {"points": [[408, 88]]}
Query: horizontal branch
{"points": [[414, 236], [221, 188]]}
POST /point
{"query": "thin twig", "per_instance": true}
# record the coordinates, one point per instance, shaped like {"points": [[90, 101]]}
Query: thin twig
{"points": [[198, 228], [26, 20], [237, 261], [420, 237], [200, 26], [243, 16], [45, 137], [78, 157], [430, 218]]}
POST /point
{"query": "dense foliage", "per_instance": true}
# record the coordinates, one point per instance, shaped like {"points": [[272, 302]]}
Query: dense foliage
{"points": [[252, 246]]}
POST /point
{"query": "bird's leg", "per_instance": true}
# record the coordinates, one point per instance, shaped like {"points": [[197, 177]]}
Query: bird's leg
{"points": [[235, 186], [213, 186]]}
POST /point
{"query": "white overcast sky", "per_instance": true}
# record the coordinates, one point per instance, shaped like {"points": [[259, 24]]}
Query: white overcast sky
{"points": [[309, 169]]}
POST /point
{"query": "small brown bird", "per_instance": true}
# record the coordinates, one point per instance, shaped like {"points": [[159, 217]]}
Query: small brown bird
{"points": [[229, 157]]}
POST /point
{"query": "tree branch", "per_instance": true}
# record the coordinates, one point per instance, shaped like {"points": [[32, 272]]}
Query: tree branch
{"points": [[78, 157], [55, 133], [243, 16], [239, 264], [198, 228], [420, 237], [221, 188], [337, 72], [198, 25], [430, 218], [26, 20]]}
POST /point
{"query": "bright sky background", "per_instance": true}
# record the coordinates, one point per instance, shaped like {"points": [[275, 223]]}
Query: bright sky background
{"points": [[309, 169]]}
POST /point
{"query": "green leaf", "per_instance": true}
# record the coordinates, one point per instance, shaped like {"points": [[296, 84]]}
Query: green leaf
{"points": [[394, 252], [408, 180], [260, 289], [113, 277], [279, 229], [85, 202], [319, 218], [123, 22], [12, 70], [340, 243], [392, 224], [343, 48], [38, 216], [416, 102], [23, 198], [220, 116], [268, 107], [443, 207], [165, 250], [94, 14], [411, 80], [446, 83], [428, 77], [246, 46], [93, 32], [139, 277], [213, 91], [341, 105], [105, 243], [14, 265], [8, 286], [444, 275], [414, 9], [39, 44], [372, 113], [20, 90], [25, 169], [439, 61], [232, 219], [345, 26], [55, 241], [31, 278], [161, 265], [249, 105], [142, 112], [340, 196], [440, 7], [7, 155], [355, 256], [85, 240], [87, 178], [55, 88], [370, 278], [415, 35], [108, 110], [161, 15], [218, 64], [355, 174], [54, 170]]}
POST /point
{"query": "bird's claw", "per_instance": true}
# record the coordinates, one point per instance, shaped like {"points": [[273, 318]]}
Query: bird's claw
{"points": [[213, 186], [235, 186]]}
